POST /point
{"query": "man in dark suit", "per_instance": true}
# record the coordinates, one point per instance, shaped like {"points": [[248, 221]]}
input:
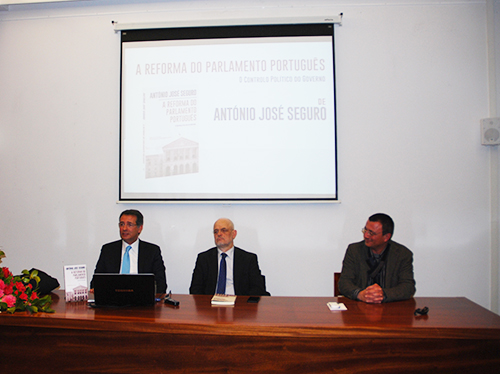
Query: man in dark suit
{"points": [[241, 275], [377, 269], [131, 255]]}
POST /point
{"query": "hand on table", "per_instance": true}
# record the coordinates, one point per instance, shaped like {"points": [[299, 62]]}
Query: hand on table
{"points": [[372, 294]]}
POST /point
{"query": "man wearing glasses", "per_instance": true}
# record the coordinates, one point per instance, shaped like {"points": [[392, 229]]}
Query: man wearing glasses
{"points": [[226, 269], [377, 269], [131, 255]]}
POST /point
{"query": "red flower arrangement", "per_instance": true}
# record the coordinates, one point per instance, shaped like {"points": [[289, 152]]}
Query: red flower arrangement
{"points": [[18, 293]]}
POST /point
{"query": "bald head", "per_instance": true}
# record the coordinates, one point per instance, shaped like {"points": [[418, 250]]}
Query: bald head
{"points": [[224, 234]]}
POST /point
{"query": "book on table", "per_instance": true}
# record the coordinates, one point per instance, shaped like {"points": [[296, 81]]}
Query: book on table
{"points": [[219, 299]]}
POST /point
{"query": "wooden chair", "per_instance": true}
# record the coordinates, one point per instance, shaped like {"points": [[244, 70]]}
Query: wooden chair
{"points": [[336, 277]]}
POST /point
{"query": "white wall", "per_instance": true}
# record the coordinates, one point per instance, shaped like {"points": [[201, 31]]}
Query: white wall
{"points": [[411, 87]]}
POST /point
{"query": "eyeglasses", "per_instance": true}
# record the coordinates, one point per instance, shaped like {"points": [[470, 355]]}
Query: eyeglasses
{"points": [[128, 224], [370, 232]]}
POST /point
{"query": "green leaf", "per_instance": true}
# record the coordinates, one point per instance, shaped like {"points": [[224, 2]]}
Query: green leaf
{"points": [[20, 306], [46, 298], [47, 309]]}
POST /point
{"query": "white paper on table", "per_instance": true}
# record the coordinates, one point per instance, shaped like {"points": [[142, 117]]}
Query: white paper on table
{"points": [[332, 305]]}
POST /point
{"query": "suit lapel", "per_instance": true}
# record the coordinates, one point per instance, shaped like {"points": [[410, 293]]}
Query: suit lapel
{"points": [[116, 257], [236, 269], [140, 257], [213, 270]]}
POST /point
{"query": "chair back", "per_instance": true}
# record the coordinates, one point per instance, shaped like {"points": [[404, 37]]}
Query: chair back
{"points": [[336, 277], [267, 293]]}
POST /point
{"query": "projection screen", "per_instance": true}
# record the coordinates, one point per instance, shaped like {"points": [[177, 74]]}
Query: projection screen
{"points": [[228, 113]]}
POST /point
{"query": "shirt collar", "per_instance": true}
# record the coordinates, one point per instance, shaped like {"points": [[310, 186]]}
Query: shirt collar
{"points": [[229, 252], [133, 245]]}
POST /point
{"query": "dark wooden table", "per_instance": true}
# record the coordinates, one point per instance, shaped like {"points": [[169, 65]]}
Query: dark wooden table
{"points": [[293, 334]]}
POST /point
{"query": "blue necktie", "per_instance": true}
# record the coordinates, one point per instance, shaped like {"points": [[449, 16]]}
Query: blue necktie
{"points": [[126, 261], [221, 285]]}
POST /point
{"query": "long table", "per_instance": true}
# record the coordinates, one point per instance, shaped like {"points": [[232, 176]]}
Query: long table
{"points": [[292, 334]]}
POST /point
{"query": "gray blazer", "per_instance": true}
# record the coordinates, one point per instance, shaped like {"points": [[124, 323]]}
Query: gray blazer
{"points": [[399, 281]]}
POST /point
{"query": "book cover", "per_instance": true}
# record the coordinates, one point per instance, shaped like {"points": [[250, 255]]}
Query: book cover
{"points": [[223, 299], [75, 283]]}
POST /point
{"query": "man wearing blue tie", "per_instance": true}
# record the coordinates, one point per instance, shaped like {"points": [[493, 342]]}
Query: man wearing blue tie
{"points": [[131, 255], [226, 269]]}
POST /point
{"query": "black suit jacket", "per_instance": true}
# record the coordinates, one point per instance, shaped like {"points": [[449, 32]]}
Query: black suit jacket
{"points": [[247, 277], [149, 261]]}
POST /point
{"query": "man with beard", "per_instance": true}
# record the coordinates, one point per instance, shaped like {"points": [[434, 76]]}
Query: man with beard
{"points": [[226, 269]]}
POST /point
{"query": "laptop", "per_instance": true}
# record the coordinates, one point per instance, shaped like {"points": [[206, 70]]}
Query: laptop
{"points": [[124, 289]]}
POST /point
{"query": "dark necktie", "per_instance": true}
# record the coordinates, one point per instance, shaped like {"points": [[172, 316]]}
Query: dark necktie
{"points": [[221, 284]]}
